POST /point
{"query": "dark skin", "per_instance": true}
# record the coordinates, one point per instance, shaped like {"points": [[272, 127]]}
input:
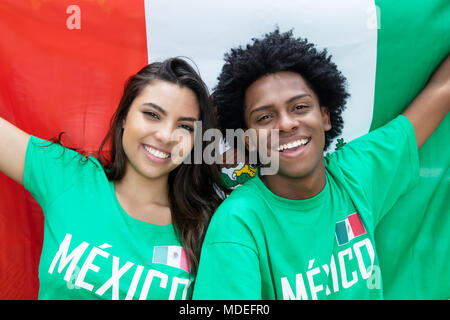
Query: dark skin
{"points": [[283, 101]]}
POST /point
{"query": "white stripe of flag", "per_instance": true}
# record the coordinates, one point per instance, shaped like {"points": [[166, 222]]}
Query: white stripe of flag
{"points": [[174, 256]]}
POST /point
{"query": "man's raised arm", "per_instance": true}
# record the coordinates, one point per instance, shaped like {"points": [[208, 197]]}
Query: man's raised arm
{"points": [[432, 104]]}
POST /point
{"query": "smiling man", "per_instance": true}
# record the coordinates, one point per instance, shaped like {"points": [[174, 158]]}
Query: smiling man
{"points": [[278, 102], [307, 232]]}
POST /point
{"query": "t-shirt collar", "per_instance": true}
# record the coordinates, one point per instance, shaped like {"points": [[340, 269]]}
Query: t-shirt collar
{"points": [[300, 205]]}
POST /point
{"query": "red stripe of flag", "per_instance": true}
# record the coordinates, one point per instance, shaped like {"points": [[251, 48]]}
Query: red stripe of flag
{"points": [[184, 263], [356, 224], [54, 78]]}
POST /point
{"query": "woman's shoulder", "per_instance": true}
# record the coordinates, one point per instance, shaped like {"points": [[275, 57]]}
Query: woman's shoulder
{"points": [[58, 157]]}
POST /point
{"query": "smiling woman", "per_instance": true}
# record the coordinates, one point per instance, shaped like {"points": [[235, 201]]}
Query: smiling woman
{"points": [[136, 201], [160, 110]]}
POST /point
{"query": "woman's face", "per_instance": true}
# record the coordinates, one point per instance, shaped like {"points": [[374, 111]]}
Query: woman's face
{"points": [[158, 132]]}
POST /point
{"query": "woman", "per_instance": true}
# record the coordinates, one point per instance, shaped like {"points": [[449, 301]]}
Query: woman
{"points": [[129, 223]]}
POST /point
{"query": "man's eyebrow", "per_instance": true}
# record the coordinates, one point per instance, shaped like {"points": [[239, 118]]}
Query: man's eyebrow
{"points": [[298, 97], [154, 105], [262, 108]]}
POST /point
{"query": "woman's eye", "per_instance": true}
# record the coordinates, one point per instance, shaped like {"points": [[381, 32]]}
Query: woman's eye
{"points": [[187, 127], [151, 114]]}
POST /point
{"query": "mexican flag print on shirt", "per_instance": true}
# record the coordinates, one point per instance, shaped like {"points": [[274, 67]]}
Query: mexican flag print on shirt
{"points": [[348, 229], [174, 256]]}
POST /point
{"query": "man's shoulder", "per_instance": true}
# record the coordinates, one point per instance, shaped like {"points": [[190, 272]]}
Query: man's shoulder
{"points": [[245, 195], [241, 205], [374, 141]]}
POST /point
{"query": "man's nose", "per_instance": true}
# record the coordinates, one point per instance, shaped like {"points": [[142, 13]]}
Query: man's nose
{"points": [[287, 123]]}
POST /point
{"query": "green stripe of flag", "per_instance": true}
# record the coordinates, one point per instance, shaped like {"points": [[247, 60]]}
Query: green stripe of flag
{"points": [[160, 254], [413, 238]]}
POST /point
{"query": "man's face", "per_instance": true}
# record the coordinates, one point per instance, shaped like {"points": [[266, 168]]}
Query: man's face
{"points": [[283, 101]]}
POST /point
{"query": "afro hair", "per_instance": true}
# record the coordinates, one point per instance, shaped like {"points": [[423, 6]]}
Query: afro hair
{"points": [[277, 52]]}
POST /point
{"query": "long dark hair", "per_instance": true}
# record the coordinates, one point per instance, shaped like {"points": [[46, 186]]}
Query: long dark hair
{"points": [[192, 187]]}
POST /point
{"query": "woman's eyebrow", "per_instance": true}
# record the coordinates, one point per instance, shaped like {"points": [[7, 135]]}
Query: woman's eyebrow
{"points": [[155, 106], [187, 119], [160, 109]]}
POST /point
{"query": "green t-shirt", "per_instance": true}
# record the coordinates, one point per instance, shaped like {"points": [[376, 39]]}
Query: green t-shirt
{"points": [[92, 248], [262, 246]]}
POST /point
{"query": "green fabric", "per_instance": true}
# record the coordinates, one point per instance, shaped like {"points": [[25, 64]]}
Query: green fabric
{"points": [[413, 239], [262, 246], [92, 248]]}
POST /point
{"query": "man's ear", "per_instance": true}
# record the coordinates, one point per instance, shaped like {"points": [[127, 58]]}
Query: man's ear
{"points": [[251, 141], [249, 145], [326, 118]]}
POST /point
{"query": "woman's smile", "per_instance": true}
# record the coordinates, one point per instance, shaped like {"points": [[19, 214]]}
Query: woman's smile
{"points": [[155, 154]]}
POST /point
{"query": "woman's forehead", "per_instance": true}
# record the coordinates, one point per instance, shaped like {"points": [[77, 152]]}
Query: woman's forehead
{"points": [[170, 98]]}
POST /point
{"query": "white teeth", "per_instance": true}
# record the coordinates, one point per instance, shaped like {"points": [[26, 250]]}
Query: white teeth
{"points": [[156, 153], [292, 144]]}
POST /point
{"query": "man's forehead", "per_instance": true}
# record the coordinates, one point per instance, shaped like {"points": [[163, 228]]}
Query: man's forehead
{"points": [[277, 87]]}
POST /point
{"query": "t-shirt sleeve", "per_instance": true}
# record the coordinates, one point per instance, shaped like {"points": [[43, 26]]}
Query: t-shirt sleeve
{"points": [[50, 170], [227, 271], [229, 266], [384, 164]]}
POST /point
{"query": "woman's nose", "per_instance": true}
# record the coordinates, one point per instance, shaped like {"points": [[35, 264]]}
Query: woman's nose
{"points": [[164, 133]]}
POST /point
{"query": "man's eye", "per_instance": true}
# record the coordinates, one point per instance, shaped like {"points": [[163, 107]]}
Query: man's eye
{"points": [[151, 114], [300, 107], [262, 118]]}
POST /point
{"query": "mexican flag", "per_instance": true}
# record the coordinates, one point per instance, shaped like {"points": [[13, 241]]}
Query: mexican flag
{"points": [[63, 65], [174, 256], [348, 229]]}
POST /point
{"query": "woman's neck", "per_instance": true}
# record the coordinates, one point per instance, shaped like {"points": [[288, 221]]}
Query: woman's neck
{"points": [[144, 198]]}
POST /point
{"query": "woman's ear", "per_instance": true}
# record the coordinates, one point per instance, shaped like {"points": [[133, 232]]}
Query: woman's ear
{"points": [[326, 118]]}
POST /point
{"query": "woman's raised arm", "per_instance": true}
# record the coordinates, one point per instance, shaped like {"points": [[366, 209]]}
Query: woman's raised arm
{"points": [[13, 147]]}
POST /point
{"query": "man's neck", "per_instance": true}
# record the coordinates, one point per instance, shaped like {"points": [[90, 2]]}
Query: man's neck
{"points": [[296, 188]]}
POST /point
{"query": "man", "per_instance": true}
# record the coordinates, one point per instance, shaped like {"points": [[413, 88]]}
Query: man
{"points": [[307, 232]]}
